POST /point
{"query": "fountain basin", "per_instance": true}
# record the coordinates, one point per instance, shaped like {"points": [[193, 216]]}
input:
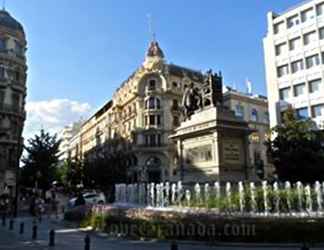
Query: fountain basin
{"points": [[206, 225]]}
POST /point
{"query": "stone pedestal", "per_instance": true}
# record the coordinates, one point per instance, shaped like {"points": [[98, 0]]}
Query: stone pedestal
{"points": [[212, 146]]}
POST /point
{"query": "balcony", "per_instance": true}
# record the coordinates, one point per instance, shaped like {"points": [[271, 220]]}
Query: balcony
{"points": [[12, 55], [6, 108]]}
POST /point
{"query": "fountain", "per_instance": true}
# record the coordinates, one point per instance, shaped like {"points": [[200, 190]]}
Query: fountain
{"points": [[188, 197], [253, 201], [265, 196], [241, 196], [197, 194], [288, 195], [206, 194], [319, 198], [300, 190], [280, 201], [276, 198], [228, 192], [309, 202]]}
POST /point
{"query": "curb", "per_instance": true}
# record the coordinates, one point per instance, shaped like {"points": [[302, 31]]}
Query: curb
{"points": [[215, 244]]}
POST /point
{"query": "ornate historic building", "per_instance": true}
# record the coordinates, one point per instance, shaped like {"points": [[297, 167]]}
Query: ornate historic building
{"points": [[147, 110], [13, 76]]}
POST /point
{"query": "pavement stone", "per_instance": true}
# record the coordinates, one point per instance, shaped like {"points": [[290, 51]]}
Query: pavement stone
{"points": [[71, 238]]}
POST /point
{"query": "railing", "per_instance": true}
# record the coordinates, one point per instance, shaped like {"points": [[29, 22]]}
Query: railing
{"points": [[10, 108]]}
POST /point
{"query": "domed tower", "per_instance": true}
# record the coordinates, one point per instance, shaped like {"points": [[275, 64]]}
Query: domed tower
{"points": [[13, 76]]}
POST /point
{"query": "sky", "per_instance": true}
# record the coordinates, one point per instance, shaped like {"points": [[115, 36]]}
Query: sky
{"points": [[80, 51]]}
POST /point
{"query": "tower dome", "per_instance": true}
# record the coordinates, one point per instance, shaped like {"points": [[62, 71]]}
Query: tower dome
{"points": [[154, 50], [6, 20]]}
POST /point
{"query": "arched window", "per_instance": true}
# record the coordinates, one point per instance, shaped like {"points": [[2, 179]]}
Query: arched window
{"points": [[254, 115], [153, 103]]}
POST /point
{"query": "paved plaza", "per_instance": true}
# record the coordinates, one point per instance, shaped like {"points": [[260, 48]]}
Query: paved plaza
{"points": [[71, 238]]}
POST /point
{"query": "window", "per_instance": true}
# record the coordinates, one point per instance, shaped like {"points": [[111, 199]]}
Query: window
{"points": [[292, 21], [2, 44], [307, 15], [295, 43], [151, 120], [175, 84], [299, 89], [282, 70], [158, 103], [254, 115], [15, 101], [302, 113], [2, 97], [266, 117], [152, 85], [159, 140], [19, 48], [176, 122], [153, 103], [297, 66], [284, 93], [318, 110], [280, 48], [312, 61], [175, 105], [147, 140], [152, 140], [2, 72], [17, 75], [239, 111], [320, 9], [321, 33], [309, 37], [314, 86], [278, 27], [158, 120]]}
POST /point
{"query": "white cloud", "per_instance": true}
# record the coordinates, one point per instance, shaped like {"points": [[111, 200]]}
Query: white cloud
{"points": [[53, 115]]}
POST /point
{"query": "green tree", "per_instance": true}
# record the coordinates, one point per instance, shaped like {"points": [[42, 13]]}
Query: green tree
{"points": [[41, 160], [297, 150]]}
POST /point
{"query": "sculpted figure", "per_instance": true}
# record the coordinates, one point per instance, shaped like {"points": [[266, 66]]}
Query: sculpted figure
{"points": [[191, 101]]}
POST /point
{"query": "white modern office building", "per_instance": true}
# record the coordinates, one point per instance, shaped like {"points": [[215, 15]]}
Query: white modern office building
{"points": [[294, 62]]}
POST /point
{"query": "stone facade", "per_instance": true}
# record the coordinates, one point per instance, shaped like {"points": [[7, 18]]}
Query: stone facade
{"points": [[254, 110], [13, 75]]}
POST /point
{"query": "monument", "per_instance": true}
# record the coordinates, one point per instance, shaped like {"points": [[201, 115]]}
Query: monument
{"points": [[211, 142]]}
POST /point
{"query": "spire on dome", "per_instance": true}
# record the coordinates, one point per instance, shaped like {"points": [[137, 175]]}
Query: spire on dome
{"points": [[154, 50]]}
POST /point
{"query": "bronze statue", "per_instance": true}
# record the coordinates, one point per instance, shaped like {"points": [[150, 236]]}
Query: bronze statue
{"points": [[191, 101]]}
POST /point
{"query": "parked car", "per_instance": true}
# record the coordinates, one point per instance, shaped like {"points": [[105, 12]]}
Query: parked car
{"points": [[90, 198]]}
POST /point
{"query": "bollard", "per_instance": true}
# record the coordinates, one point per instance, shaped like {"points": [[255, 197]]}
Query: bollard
{"points": [[34, 236], [22, 228], [11, 224], [87, 242], [305, 247], [174, 246], [51, 238], [4, 220]]}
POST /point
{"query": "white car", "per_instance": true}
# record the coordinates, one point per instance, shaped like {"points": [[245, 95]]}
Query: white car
{"points": [[90, 198]]}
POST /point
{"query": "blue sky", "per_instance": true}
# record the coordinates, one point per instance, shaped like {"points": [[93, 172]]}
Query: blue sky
{"points": [[81, 50]]}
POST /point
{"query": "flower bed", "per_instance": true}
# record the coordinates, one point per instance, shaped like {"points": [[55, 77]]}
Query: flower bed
{"points": [[201, 225]]}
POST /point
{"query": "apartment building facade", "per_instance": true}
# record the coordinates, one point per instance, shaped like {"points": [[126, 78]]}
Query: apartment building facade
{"points": [[13, 76], [294, 62]]}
